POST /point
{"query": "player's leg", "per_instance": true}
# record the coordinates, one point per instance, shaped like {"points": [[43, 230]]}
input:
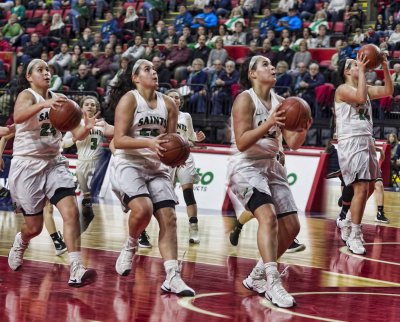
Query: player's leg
{"points": [[55, 235], [244, 217], [83, 170], [379, 198]]}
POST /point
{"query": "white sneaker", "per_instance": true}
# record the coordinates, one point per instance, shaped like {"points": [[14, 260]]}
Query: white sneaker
{"points": [[345, 228], [194, 233], [15, 257], [276, 292], [175, 284], [354, 243], [124, 262], [256, 281], [77, 274]]}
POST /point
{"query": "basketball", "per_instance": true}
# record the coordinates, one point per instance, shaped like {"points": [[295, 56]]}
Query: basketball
{"points": [[66, 117], [178, 150], [373, 54], [297, 114]]}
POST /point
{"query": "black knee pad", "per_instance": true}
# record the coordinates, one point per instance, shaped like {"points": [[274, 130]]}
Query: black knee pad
{"points": [[347, 193], [61, 193], [258, 199], [188, 195]]}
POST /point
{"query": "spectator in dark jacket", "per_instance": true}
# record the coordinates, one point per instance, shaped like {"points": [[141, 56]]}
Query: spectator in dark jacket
{"points": [[86, 41], [83, 81], [197, 82], [164, 75], [32, 49], [178, 59], [286, 54]]}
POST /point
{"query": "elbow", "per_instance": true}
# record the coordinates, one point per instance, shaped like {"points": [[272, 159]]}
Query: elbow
{"points": [[18, 119], [241, 147], [361, 100]]}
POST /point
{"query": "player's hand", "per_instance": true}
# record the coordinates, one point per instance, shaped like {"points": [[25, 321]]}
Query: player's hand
{"points": [[200, 136], [278, 117], [11, 128], [53, 103], [90, 122], [385, 63], [362, 61], [156, 145]]}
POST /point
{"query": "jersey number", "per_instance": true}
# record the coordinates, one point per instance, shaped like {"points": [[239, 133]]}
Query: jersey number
{"points": [[149, 132], [363, 113], [47, 130], [93, 143]]}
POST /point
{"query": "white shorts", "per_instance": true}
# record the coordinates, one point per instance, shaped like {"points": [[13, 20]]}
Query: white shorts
{"points": [[133, 178], [186, 174], [84, 173], [357, 159], [32, 181], [267, 176]]}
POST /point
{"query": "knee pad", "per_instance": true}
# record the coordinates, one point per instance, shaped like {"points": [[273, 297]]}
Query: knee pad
{"points": [[258, 199], [347, 194], [188, 195]]}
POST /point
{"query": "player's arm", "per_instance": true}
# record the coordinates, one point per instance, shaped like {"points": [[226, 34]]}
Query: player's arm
{"points": [[25, 108], [172, 114], [242, 118], [295, 139], [375, 92], [68, 140], [3, 143], [381, 154], [108, 130], [5, 130]]}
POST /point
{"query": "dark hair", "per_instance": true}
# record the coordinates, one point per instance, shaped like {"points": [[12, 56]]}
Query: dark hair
{"points": [[342, 65], [154, 40], [22, 82], [244, 80]]}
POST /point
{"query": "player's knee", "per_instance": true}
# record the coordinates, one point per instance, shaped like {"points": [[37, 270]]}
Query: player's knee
{"points": [[347, 194], [188, 195], [378, 185], [34, 229], [258, 199]]}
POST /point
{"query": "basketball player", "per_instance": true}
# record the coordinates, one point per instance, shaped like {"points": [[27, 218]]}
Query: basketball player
{"points": [[138, 177], [356, 146], [259, 180], [38, 170], [187, 174], [89, 152]]}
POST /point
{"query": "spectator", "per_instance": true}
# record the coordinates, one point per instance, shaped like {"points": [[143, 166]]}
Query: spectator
{"points": [[208, 19], [286, 54], [12, 30], [32, 49], [359, 37], [235, 16], [56, 83], [267, 22], [380, 26], [102, 67], [197, 82], [42, 29], [183, 19], [306, 9], [394, 153], [283, 8], [62, 59], [396, 79], [130, 25], [394, 39], [171, 34], [110, 26], [167, 49], [391, 26], [19, 10], [187, 34], [283, 79], [83, 81], [303, 56], [285, 33], [123, 66], [201, 50], [331, 74], [222, 7], [355, 19], [218, 53], [307, 37], [335, 9], [371, 37], [98, 41], [320, 19], [215, 73], [94, 55], [198, 6], [255, 36], [136, 51], [4, 44], [266, 50], [160, 32], [149, 7], [322, 40], [151, 50], [164, 75], [272, 38], [310, 81], [80, 16], [86, 41], [239, 36], [248, 7], [222, 33], [77, 59], [372, 78], [222, 89], [298, 76], [291, 21], [178, 59]]}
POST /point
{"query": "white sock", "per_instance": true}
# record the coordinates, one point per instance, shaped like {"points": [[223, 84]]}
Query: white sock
{"points": [[270, 267], [260, 264], [355, 227], [21, 241], [132, 242], [74, 257]]}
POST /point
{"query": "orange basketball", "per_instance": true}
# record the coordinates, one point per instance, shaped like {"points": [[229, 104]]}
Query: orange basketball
{"points": [[373, 54], [66, 117], [178, 150], [297, 114]]}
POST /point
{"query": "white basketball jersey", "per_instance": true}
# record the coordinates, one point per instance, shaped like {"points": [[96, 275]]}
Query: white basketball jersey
{"points": [[185, 127], [37, 137], [353, 119], [147, 123], [267, 146]]}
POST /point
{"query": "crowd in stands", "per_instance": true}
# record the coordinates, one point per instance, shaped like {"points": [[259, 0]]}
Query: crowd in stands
{"points": [[193, 51]]}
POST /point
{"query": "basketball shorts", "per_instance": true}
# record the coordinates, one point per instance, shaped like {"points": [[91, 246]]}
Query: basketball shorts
{"points": [[32, 181], [186, 174], [84, 173], [357, 159], [267, 176], [135, 178]]}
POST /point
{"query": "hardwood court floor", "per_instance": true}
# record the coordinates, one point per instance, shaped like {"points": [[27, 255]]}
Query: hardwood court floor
{"points": [[328, 283]]}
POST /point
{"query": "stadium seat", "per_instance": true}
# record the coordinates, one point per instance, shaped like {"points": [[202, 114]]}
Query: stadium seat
{"points": [[237, 52]]}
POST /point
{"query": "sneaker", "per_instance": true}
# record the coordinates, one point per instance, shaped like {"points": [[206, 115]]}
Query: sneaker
{"points": [[380, 217], [354, 243], [77, 272], [124, 262], [15, 257], [345, 228], [256, 281], [295, 247], [194, 233], [4, 193], [60, 246], [175, 284], [234, 236], [340, 202], [144, 240], [276, 293]]}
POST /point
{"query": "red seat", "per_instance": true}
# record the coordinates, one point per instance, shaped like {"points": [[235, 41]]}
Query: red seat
{"points": [[66, 13], [380, 74], [306, 24], [28, 14], [100, 91], [54, 11], [325, 63], [139, 6], [320, 54], [236, 52], [39, 13], [339, 27], [129, 4]]}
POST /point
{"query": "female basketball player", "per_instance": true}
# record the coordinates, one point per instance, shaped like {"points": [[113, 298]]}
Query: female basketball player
{"points": [[38, 171], [89, 152], [187, 174], [259, 180], [139, 178], [354, 128]]}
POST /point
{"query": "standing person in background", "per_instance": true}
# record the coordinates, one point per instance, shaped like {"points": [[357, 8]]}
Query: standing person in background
{"points": [[38, 170], [89, 152], [187, 175], [138, 177]]}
